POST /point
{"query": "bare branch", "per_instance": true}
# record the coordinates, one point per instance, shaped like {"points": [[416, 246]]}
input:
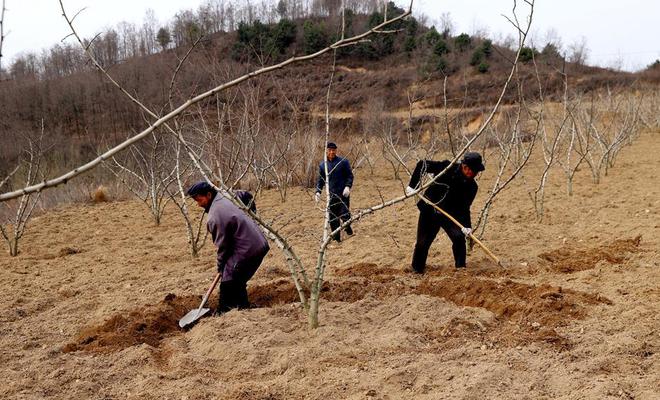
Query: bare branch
{"points": [[8, 178], [2, 32]]}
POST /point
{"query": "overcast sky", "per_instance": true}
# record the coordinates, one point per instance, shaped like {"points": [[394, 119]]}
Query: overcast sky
{"points": [[621, 33]]}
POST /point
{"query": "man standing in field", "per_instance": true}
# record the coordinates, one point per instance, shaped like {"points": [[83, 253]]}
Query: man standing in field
{"points": [[454, 193], [241, 244], [340, 182]]}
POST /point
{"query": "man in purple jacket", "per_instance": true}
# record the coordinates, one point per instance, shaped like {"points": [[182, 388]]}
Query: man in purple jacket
{"points": [[241, 244]]}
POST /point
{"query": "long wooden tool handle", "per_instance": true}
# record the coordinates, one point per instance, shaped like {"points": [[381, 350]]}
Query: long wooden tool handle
{"points": [[452, 219], [208, 293]]}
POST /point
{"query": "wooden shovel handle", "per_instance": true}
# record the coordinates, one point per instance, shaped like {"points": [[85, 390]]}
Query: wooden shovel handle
{"points": [[208, 293], [452, 219]]}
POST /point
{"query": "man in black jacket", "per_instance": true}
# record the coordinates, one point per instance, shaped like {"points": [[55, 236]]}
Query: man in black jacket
{"points": [[454, 193], [340, 182]]}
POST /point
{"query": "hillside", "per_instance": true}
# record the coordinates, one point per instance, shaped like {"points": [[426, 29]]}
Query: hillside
{"points": [[83, 113]]}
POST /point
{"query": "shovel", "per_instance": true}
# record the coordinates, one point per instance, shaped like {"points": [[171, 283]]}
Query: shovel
{"points": [[198, 313]]}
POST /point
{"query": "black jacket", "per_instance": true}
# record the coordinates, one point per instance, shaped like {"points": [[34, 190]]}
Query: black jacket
{"points": [[340, 174], [452, 192]]}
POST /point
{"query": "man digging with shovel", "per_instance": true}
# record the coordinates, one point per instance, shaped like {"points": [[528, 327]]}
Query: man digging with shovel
{"points": [[241, 245], [452, 192]]}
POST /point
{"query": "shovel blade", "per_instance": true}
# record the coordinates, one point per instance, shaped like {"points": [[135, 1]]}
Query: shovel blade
{"points": [[192, 316]]}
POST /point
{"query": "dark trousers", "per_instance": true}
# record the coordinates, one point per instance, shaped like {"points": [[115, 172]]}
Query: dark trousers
{"points": [[233, 293], [428, 226], [339, 210]]}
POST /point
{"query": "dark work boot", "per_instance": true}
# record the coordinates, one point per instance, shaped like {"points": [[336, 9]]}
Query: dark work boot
{"points": [[417, 271], [349, 230]]}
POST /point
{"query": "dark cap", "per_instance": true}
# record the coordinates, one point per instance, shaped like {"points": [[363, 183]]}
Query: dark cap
{"points": [[473, 160], [200, 188], [331, 145]]}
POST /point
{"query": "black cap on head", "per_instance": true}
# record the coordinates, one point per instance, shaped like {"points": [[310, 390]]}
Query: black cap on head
{"points": [[473, 160], [200, 188], [331, 145]]}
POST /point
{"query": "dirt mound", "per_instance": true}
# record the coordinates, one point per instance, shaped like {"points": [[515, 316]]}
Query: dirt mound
{"points": [[149, 324], [527, 313], [545, 304], [368, 270], [283, 291], [569, 259], [535, 311], [153, 323], [538, 309]]}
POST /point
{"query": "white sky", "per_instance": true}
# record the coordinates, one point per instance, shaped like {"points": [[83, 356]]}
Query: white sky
{"points": [[621, 33], [33, 25], [618, 33]]}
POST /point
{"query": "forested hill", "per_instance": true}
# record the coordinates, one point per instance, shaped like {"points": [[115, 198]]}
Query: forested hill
{"points": [[77, 105]]}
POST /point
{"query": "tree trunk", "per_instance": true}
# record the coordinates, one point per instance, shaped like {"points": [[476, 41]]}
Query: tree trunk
{"points": [[13, 247]]}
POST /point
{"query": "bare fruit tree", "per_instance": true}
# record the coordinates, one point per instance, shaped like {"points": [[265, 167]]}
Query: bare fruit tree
{"points": [[23, 208], [147, 172], [550, 138], [604, 126], [618, 127], [514, 138], [195, 231], [399, 149], [650, 112]]}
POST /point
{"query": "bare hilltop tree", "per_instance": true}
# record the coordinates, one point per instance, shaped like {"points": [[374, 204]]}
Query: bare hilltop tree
{"points": [[2, 31]]}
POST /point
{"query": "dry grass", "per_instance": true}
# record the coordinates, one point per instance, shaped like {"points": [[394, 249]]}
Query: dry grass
{"points": [[100, 195]]}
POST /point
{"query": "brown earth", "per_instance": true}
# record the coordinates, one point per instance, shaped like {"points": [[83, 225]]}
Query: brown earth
{"points": [[89, 308]]}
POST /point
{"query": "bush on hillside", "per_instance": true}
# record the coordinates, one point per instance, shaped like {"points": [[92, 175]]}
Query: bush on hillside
{"points": [[477, 57], [440, 48], [409, 44], [442, 65], [263, 41], [314, 37], [487, 47], [432, 37], [527, 54], [463, 42]]}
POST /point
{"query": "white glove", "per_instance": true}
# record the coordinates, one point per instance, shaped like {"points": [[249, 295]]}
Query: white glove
{"points": [[317, 197], [346, 192], [466, 231], [409, 190]]}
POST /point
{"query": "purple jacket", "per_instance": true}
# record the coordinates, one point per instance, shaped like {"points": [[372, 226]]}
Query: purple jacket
{"points": [[237, 238]]}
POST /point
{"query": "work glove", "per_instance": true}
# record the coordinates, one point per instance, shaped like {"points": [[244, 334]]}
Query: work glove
{"points": [[346, 192], [409, 190], [317, 197], [466, 231]]}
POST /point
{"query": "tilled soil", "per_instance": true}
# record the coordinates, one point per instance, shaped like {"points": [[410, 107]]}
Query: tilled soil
{"points": [[89, 308]]}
